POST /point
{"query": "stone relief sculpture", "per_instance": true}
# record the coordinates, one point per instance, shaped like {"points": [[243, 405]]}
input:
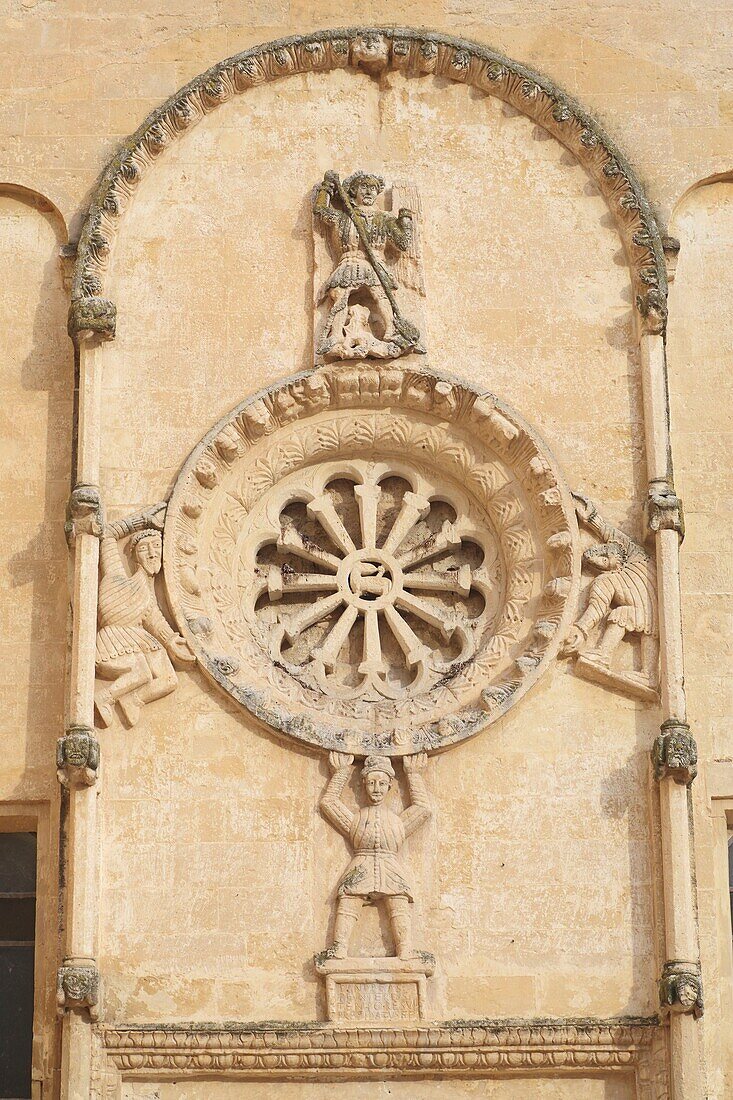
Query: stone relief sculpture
{"points": [[364, 318], [393, 987], [376, 834], [135, 644], [622, 604], [376, 561]]}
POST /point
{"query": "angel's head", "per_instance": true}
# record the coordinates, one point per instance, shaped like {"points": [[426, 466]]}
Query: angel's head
{"points": [[363, 188]]}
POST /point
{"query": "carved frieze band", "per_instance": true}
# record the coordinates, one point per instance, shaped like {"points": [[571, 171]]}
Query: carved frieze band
{"points": [[449, 1048], [374, 50]]}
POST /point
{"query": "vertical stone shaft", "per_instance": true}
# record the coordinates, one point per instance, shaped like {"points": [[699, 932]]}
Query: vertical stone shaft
{"points": [[677, 870], [82, 866]]}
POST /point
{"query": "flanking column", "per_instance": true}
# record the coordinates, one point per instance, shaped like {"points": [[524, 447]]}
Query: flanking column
{"points": [[674, 752], [78, 757]]}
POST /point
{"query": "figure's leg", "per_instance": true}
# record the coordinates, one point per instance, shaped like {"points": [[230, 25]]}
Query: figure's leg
{"points": [[164, 677], [161, 681], [333, 328], [127, 673], [613, 635], [399, 914], [347, 912], [384, 310], [650, 658]]}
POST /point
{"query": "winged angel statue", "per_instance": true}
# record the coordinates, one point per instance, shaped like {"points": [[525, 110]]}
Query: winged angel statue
{"points": [[376, 256]]}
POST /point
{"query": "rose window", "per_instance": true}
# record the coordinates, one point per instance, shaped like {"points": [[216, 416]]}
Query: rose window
{"points": [[374, 583], [372, 560]]}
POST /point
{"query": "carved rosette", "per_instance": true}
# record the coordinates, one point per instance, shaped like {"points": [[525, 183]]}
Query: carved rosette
{"points": [[373, 560]]}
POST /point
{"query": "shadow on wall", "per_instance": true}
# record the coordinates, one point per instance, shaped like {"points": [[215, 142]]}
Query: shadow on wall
{"points": [[37, 382]]}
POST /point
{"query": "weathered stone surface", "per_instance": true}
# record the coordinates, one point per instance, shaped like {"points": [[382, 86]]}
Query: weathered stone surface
{"points": [[204, 879]]}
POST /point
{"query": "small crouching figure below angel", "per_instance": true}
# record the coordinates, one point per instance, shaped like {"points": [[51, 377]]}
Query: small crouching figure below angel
{"points": [[376, 834], [364, 318]]}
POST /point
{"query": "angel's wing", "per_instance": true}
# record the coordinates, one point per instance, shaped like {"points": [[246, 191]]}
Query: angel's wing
{"points": [[408, 267]]}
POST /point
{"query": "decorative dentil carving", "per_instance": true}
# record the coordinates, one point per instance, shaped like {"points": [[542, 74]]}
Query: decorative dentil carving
{"points": [[364, 318], [77, 986], [675, 753], [77, 757], [376, 834], [622, 602], [135, 644], [680, 988]]}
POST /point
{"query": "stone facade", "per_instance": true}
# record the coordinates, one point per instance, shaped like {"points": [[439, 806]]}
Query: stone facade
{"points": [[381, 350]]}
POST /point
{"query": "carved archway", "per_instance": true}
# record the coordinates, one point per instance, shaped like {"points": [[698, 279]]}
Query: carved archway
{"points": [[373, 50]]}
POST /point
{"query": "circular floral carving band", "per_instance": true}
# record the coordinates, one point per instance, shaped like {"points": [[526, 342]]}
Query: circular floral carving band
{"points": [[375, 560]]}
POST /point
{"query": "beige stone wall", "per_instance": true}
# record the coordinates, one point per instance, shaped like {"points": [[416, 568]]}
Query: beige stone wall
{"points": [[536, 878], [543, 314], [700, 345]]}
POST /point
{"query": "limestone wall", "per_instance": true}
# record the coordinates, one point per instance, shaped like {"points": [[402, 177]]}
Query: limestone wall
{"points": [[537, 880]]}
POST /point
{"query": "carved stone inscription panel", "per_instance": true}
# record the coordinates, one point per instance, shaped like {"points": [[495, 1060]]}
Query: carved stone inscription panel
{"points": [[373, 560]]}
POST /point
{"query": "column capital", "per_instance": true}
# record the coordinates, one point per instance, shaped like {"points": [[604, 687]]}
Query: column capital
{"points": [[92, 316], [84, 513], [680, 988], [77, 757], [663, 509], [674, 753], [77, 987]]}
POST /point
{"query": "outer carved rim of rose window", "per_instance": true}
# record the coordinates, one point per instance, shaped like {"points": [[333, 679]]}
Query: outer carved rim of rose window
{"points": [[480, 416], [411, 51]]}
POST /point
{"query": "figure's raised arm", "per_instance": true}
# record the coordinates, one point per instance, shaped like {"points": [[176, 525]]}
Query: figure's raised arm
{"points": [[591, 517], [110, 557], [419, 810], [322, 207], [332, 807]]}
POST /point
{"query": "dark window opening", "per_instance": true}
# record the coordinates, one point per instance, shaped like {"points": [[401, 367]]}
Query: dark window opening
{"points": [[17, 942]]}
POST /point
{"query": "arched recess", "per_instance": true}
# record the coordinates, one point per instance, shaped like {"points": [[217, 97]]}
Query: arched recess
{"points": [[478, 72], [376, 51]]}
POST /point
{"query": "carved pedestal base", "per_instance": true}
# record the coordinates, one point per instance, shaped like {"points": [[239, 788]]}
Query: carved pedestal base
{"points": [[360, 990], [632, 683]]}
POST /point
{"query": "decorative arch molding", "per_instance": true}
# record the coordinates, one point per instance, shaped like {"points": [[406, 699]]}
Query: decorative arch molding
{"points": [[373, 50]]}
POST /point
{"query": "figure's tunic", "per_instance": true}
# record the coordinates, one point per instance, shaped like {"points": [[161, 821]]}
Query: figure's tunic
{"points": [[376, 834], [129, 618], [354, 269], [631, 595]]}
